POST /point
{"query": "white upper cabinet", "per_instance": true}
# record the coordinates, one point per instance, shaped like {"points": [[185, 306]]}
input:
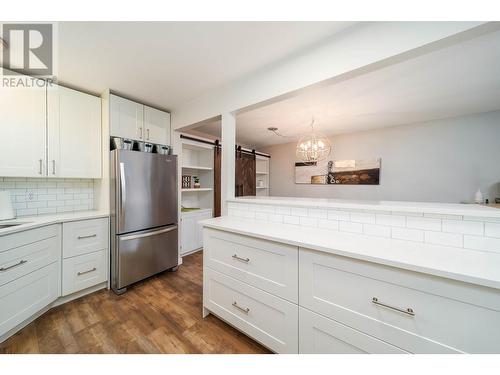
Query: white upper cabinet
{"points": [[132, 120], [74, 134], [127, 118], [22, 131], [157, 126], [53, 132]]}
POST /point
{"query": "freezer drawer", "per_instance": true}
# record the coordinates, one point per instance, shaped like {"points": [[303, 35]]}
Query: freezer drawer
{"points": [[142, 254]]}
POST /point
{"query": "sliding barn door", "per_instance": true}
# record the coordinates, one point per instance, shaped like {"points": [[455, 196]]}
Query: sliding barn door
{"points": [[245, 174], [217, 179]]}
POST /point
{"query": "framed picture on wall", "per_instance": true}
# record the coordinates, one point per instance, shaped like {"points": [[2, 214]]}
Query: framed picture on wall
{"points": [[339, 172]]}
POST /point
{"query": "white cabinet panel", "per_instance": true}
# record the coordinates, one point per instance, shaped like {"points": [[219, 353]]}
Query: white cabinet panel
{"points": [[84, 271], [126, 118], [192, 230], [199, 228], [267, 265], [22, 260], [156, 126], [22, 131], [320, 335], [268, 319], [74, 126], [85, 236], [25, 296], [188, 234]]}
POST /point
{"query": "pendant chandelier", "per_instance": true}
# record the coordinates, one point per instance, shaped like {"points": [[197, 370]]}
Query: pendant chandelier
{"points": [[313, 146]]}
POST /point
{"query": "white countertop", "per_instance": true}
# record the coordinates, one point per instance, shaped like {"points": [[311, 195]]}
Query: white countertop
{"points": [[469, 266], [392, 206], [30, 222]]}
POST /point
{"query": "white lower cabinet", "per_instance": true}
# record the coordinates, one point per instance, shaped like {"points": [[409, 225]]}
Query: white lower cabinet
{"points": [[85, 236], [192, 230], [320, 335], [268, 319], [34, 273], [270, 266], [30, 256], [24, 297], [413, 311], [345, 305], [84, 271], [85, 254]]}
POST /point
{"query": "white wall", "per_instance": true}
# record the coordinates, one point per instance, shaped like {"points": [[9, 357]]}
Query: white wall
{"points": [[442, 161]]}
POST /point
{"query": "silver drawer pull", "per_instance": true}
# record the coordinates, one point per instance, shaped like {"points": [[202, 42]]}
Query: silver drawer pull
{"points": [[246, 260], [246, 311], [14, 265], [84, 272], [408, 310], [89, 236]]}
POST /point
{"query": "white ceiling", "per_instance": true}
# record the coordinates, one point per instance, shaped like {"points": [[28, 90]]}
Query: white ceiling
{"points": [[167, 63], [454, 81]]}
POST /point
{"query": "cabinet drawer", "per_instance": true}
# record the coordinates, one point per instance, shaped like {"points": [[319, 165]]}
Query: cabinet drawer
{"points": [[84, 271], [262, 316], [86, 236], [320, 335], [23, 297], [448, 316], [22, 260], [11, 241], [267, 265]]}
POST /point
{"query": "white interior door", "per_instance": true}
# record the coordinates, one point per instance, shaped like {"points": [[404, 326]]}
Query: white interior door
{"points": [[126, 118], [157, 126], [74, 134], [22, 131]]}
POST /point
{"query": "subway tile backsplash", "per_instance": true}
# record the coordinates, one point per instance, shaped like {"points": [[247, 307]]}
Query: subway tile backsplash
{"points": [[477, 233], [39, 196]]}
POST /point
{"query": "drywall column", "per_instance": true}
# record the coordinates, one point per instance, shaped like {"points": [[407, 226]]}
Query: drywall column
{"points": [[228, 159]]}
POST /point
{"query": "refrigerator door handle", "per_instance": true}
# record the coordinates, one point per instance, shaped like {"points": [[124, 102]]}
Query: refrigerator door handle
{"points": [[123, 192], [147, 234]]}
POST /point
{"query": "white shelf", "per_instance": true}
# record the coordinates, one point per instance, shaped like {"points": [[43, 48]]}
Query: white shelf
{"points": [[195, 189], [262, 172], [196, 146], [199, 167], [262, 187]]}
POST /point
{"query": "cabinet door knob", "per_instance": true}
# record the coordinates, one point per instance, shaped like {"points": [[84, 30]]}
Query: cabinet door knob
{"points": [[53, 167], [148, 134], [140, 133], [40, 170]]}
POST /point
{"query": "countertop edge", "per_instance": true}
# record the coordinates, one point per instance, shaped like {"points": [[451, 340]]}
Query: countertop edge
{"points": [[480, 211], [44, 220], [471, 279]]}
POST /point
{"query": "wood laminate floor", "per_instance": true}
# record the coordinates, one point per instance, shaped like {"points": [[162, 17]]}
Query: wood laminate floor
{"points": [[160, 315]]}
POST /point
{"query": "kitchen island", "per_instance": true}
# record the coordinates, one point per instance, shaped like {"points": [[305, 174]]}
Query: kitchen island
{"points": [[329, 276]]}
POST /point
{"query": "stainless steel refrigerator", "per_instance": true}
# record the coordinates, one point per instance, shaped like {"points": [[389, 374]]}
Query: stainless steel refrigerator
{"points": [[144, 232]]}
